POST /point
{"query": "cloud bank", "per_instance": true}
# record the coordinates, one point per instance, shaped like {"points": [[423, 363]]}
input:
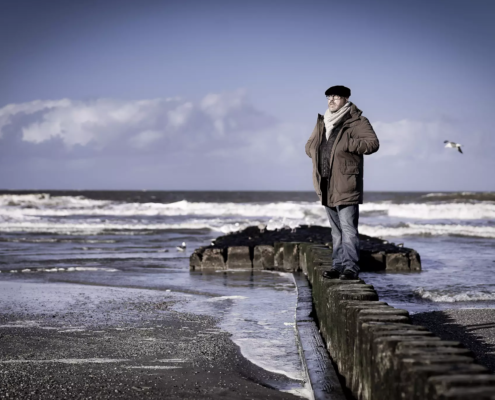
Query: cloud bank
{"points": [[139, 125], [221, 141]]}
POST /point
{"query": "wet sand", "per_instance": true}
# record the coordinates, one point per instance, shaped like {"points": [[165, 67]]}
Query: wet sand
{"points": [[80, 341], [474, 328]]}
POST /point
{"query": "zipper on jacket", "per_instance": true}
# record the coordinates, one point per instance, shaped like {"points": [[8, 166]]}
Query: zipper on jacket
{"points": [[317, 153]]}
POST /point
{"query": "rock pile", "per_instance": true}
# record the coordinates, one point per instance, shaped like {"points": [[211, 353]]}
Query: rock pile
{"points": [[258, 248]]}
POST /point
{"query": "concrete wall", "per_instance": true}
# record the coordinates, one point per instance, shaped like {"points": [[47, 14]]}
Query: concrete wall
{"points": [[377, 350]]}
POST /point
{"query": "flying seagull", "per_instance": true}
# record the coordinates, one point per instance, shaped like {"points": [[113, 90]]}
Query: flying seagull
{"points": [[453, 145], [182, 247]]}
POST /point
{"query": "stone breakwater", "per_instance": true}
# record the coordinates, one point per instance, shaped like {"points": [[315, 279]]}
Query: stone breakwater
{"points": [[378, 353], [377, 350], [257, 248]]}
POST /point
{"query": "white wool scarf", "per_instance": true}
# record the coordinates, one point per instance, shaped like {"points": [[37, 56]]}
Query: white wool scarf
{"points": [[332, 118]]}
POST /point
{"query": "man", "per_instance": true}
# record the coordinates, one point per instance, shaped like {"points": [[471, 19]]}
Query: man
{"points": [[339, 140]]}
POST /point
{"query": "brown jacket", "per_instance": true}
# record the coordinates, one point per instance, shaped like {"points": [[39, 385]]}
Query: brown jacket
{"points": [[356, 137]]}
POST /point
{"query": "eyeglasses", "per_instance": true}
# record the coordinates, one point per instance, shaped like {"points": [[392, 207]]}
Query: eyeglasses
{"points": [[334, 96]]}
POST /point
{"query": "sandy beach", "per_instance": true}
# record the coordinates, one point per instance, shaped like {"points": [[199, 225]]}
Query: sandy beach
{"points": [[474, 328], [82, 341]]}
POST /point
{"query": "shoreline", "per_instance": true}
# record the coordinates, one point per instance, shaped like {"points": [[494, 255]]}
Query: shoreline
{"points": [[65, 340]]}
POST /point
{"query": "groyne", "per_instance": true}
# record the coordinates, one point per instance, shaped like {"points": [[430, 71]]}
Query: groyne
{"points": [[257, 248], [377, 352]]}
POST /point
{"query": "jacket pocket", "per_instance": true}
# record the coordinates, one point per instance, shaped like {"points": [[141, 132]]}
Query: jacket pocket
{"points": [[350, 168]]}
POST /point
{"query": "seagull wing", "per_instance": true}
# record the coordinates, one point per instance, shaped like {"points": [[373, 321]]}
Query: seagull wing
{"points": [[459, 148]]}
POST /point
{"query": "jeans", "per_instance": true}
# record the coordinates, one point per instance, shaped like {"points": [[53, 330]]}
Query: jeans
{"points": [[344, 224]]}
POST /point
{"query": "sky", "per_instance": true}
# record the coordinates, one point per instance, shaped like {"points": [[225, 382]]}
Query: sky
{"points": [[223, 95]]}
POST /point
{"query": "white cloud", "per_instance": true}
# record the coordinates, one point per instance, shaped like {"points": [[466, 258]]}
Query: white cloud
{"points": [[221, 139], [99, 121], [145, 138], [104, 123], [219, 108], [10, 110], [179, 116]]}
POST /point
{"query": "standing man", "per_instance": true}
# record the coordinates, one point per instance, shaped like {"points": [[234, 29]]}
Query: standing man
{"points": [[339, 140]]}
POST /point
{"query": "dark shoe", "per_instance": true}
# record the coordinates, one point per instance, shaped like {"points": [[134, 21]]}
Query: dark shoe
{"points": [[331, 273], [348, 275]]}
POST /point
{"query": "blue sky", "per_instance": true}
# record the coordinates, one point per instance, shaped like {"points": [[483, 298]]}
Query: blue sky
{"points": [[222, 95]]}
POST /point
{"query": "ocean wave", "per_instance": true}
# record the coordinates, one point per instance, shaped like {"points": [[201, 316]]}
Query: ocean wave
{"points": [[84, 228], [459, 196], [442, 194], [428, 230], [439, 296], [463, 211], [123, 227], [16, 207], [45, 200], [75, 215], [33, 207]]}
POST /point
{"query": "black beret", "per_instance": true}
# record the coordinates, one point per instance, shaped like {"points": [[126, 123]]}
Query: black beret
{"points": [[341, 91]]}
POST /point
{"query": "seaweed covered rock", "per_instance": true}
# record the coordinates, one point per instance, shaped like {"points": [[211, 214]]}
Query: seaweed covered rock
{"points": [[376, 254]]}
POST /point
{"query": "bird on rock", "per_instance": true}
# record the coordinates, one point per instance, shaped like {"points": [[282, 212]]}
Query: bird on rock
{"points": [[453, 145], [182, 247]]}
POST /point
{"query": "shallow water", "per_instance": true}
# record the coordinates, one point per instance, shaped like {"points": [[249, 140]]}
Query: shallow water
{"points": [[257, 308], [457, 273]]}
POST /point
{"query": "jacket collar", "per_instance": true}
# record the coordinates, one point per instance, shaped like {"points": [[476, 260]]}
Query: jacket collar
{"points": [[355, 114]]}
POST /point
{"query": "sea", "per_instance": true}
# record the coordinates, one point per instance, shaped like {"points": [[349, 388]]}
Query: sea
{"points": [[130, 239]]}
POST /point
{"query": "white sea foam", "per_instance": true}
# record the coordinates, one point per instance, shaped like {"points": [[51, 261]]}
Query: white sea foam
{"points": [[221, 298], [428, 229], [68, 269], [18, 207], [153, 367], [44, 200], [35, 214], [442, 297], [261, 352], [463, 211], [31, 207], [442, 194], [82, 227], [304, 392], [68, 361]]}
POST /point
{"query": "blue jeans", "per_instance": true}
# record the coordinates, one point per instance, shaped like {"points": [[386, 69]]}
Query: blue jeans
{"points": [[344, 224]]}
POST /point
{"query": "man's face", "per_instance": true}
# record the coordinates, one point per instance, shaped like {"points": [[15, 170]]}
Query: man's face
{"points": [[335, 102]]}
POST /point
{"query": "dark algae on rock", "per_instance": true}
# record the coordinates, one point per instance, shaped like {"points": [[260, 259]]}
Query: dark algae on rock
{"points": [[258, 248]]}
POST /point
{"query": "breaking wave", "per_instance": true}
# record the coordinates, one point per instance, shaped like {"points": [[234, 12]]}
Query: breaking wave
{"points": [[439, 296], [429, 230], [77, 215], [20, 207], [464, 211]]}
